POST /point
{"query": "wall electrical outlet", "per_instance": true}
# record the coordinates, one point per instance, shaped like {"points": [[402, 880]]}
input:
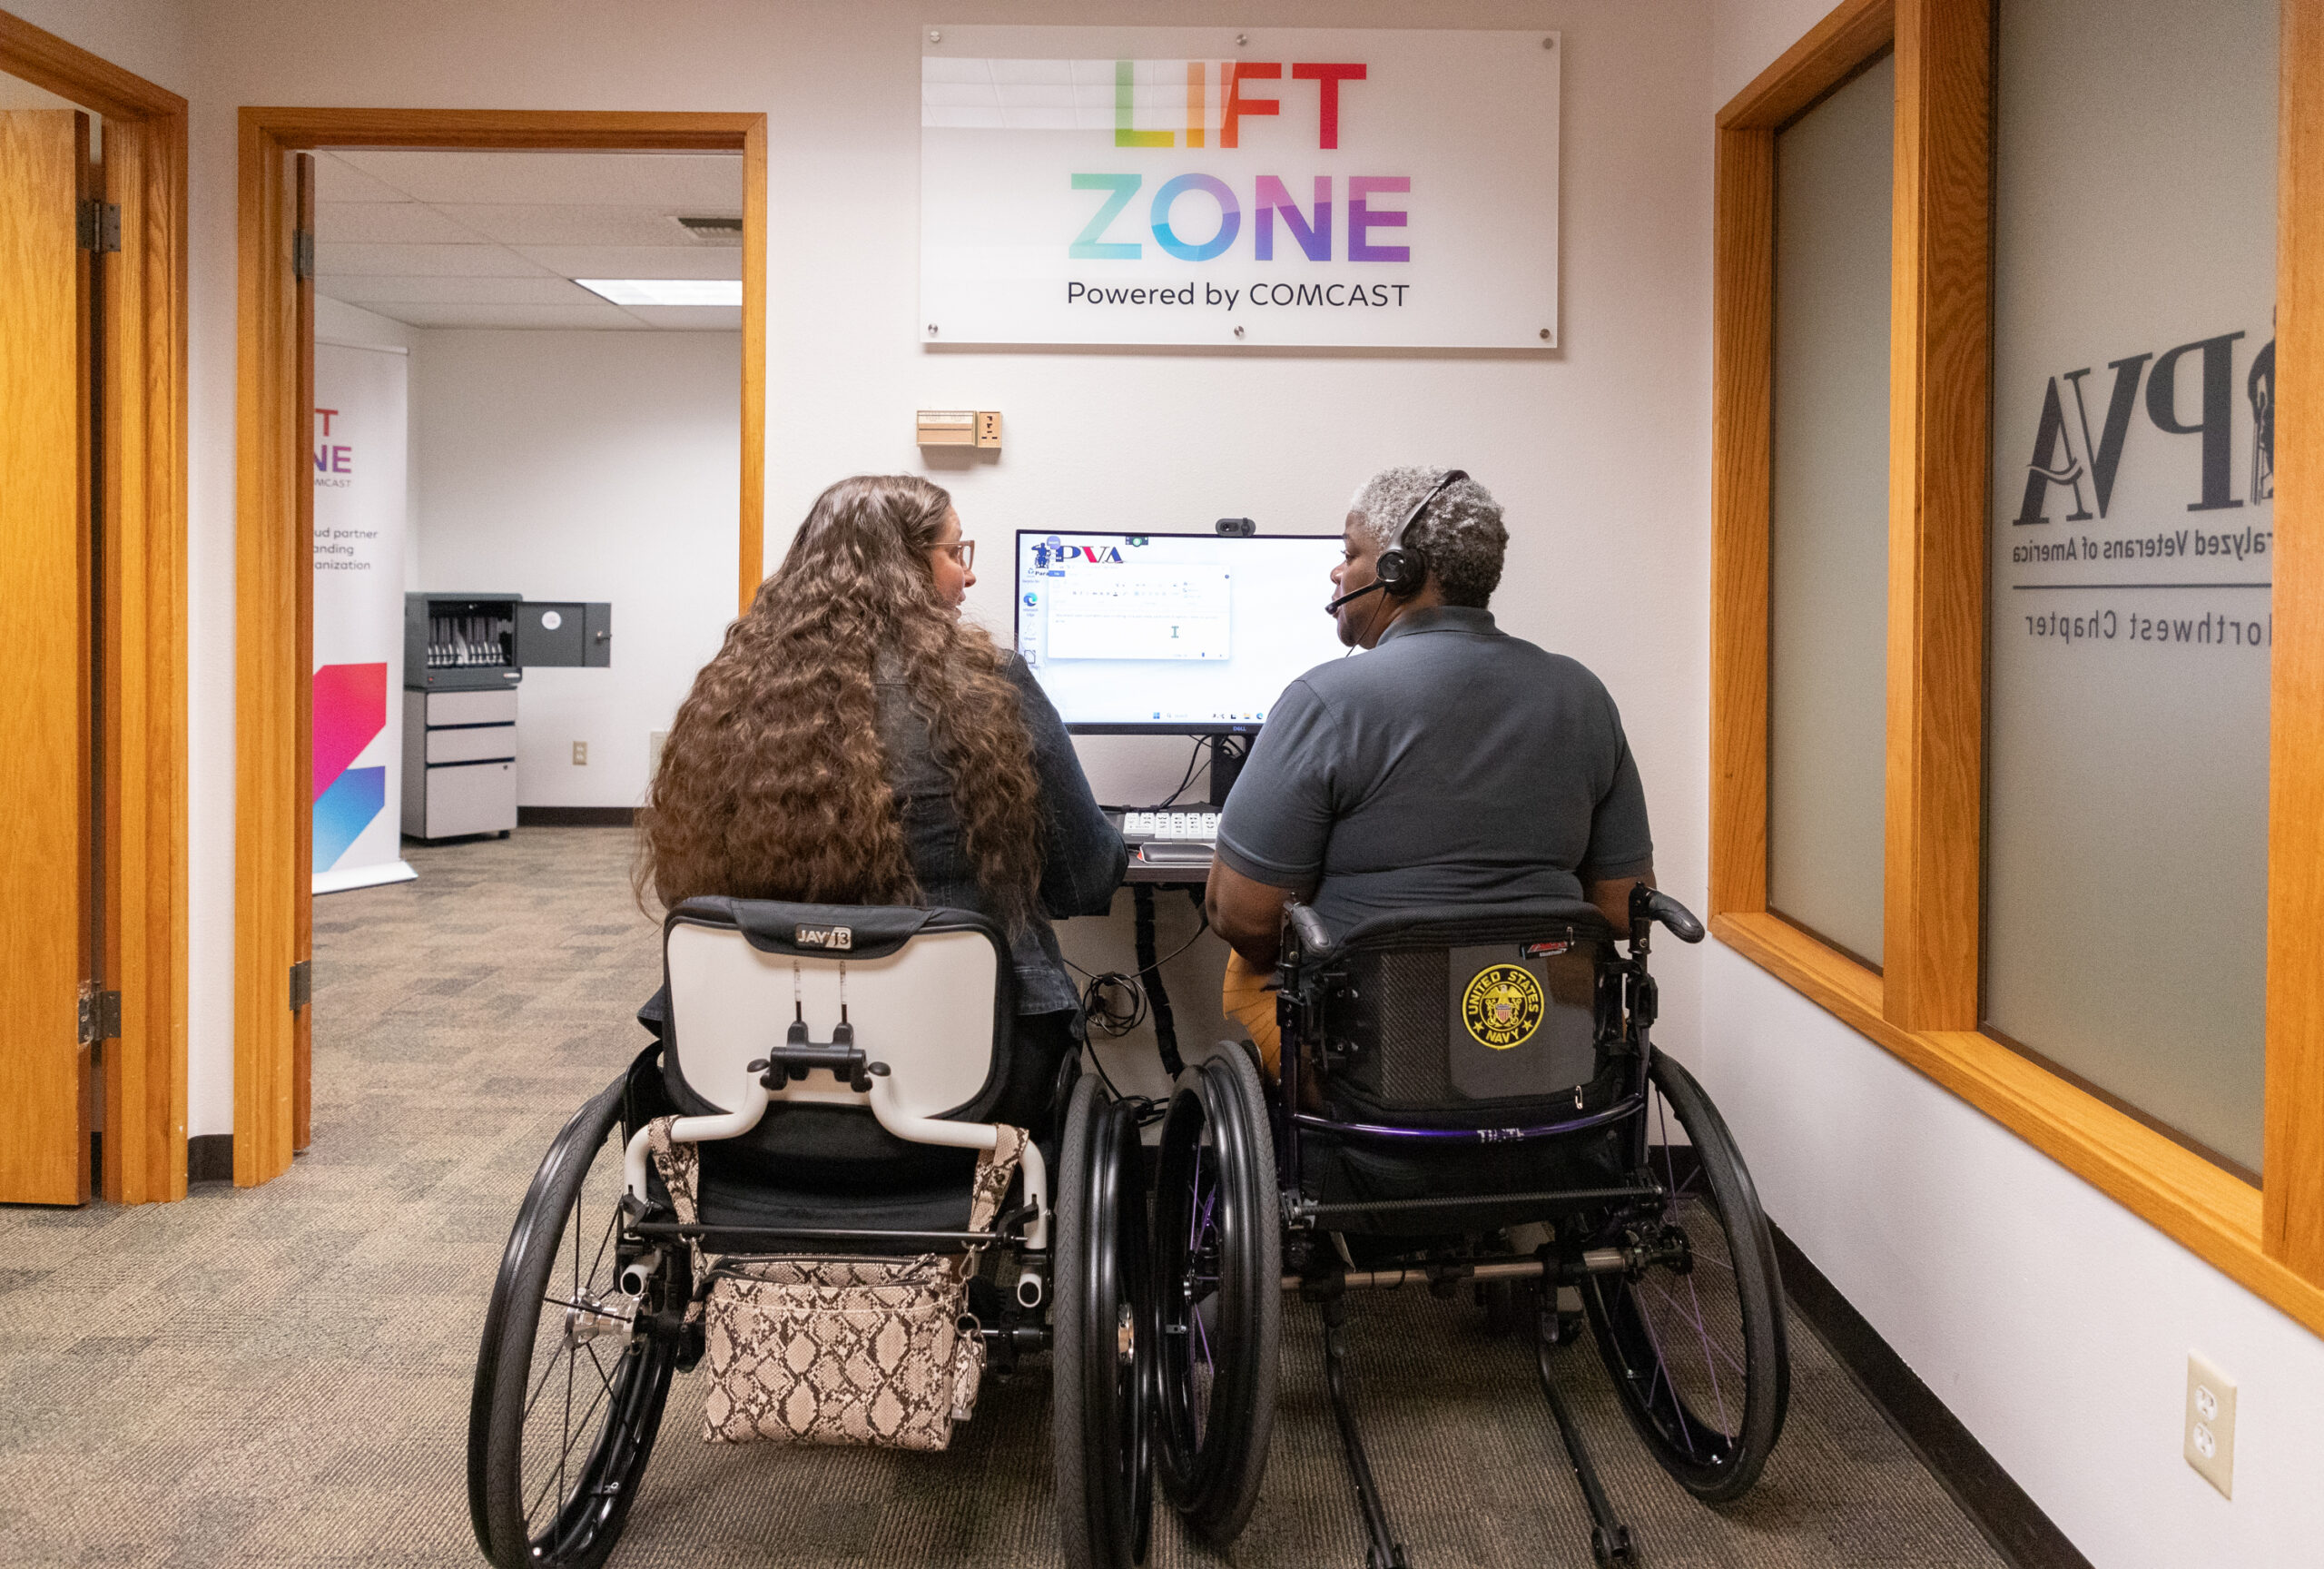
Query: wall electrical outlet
{"points": [[2211, 1424], [580, 753]]}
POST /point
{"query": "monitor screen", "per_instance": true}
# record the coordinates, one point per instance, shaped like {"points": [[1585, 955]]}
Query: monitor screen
{"points": [[1178, 632]]}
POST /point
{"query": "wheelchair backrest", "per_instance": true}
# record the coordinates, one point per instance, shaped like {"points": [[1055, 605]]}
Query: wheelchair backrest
{"points": [[928, 992], [1439, 1010]]}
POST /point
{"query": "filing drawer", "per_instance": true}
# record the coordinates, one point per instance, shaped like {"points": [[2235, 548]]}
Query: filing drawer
{"points": [[472, 708], [471, 798], [474, 744]]}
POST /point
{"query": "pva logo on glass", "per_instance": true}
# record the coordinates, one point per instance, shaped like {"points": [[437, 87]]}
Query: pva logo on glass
{"points": [[2064, 453], [1100, 239]]}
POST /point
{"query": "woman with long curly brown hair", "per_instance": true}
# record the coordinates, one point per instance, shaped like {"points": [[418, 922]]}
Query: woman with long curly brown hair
{"points": [[855, 742]]}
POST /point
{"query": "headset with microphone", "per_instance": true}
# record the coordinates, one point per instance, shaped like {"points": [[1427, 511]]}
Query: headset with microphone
{"points": [[1401, 571]]}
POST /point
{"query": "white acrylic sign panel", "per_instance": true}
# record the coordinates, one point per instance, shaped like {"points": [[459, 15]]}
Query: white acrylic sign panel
{"points": [[360, 418], [1263, 186]]}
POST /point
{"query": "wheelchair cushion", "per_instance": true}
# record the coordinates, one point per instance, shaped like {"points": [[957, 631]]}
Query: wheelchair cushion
{"points": [[1336, 1171], [737, 1187]]}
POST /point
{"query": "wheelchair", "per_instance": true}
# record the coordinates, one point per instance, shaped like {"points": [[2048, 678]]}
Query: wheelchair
{"points": [[836, 1072], [1470, 1098]]}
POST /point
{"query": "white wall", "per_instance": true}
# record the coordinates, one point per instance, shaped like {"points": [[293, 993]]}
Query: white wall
{"points": [[586, 466], [1601, 450], [2053, 1322]]}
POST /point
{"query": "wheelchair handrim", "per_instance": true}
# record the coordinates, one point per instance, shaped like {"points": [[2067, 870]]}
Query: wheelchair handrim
{"points": [[1697, 1355]]}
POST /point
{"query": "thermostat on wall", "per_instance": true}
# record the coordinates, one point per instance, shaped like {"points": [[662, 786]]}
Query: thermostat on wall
{"points": [[959, 428]]}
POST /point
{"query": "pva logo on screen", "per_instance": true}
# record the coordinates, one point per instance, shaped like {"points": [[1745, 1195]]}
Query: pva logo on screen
{"points": [[1217, 101], [2066, 455], [1044, 555]]}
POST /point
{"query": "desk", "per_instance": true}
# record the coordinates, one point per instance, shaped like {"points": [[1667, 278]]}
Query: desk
{"points": [[1143, 880], [1183, 875]]}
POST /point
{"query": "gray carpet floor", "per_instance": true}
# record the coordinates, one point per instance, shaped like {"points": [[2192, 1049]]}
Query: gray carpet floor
{"points": [[281, 1375]]}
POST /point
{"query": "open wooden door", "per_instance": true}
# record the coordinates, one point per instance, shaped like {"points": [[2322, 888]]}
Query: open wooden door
{"points": [[303, 921], [48, 950]]}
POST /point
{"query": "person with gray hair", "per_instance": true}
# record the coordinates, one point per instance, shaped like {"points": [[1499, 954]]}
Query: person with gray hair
{"points": [[1452, 764], [1461, 532]]}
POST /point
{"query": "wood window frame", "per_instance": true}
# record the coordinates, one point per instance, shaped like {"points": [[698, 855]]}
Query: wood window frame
{"points": [[144, 606], [1923, 1004], [274, 562]]}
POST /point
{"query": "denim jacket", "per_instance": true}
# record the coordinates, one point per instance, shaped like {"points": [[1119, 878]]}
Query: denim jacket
{"points": [[1083, 856]]}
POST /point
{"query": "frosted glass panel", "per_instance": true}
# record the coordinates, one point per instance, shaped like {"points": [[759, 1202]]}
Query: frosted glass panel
{"points": [[1828, 545], [2131, 534]]}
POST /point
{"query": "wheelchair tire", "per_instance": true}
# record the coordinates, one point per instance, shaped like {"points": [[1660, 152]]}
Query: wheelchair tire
{"points": [[1218, 1294], [548, 1487], [1101, 1364], [1697, 1354]]}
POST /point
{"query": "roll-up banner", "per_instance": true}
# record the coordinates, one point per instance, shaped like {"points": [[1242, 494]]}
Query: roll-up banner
{"points": [[1254, 186], [359, 434]]}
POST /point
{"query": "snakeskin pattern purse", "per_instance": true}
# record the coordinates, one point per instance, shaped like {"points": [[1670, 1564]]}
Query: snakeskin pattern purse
{"points": [[824, 1350]]}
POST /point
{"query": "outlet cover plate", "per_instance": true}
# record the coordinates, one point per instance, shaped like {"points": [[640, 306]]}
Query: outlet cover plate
{"points": [[2208, 1430]]}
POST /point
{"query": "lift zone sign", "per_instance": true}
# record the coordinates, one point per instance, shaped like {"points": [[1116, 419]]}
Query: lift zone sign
{"points": [[1138, 185]]}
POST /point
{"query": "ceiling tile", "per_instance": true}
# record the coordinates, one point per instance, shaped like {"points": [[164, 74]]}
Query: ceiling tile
{"points": [[409, 291], [387, 223], [712, 182], [530, 225], [479, 261], [637, 261], [566, 318], [336, 180], [690, 317]]}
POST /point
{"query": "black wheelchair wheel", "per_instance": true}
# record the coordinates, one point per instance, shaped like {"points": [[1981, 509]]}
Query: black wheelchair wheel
{"points": [[569, 1382], [1219, 1295], [1101, 1372], [1694, 1337]]}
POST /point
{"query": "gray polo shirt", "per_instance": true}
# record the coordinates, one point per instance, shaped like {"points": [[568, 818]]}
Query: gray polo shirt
{"points": [[1451, 765]]}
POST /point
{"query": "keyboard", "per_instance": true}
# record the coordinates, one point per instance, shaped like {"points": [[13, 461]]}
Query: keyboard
{"points": [[1200, 827]]}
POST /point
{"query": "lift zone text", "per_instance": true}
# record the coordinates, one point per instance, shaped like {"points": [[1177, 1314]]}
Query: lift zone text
{"points": [[1208, 226]]}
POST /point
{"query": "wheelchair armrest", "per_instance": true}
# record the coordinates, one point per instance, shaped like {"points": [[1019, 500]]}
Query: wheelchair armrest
{"points": [[1314, 940]]}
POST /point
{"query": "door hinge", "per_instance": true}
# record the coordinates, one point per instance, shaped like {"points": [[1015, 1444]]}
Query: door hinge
{"points": [[100, 227], [99, 1016], [302, 984], [302, 254]]}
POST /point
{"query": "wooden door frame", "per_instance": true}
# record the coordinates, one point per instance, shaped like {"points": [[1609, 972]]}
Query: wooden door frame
{"points": [[272, 557], [144, 700]]}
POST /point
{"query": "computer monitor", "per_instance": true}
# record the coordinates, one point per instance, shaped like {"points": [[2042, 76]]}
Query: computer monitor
{"points": [[1172, 634]]}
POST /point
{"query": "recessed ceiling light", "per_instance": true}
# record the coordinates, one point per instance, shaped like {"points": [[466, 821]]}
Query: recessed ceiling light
{"points": [[666, 290]]}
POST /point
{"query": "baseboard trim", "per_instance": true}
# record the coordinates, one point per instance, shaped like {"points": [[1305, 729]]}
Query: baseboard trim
{"points": [[576, 816], [2006, 1516], [210, 1157]]}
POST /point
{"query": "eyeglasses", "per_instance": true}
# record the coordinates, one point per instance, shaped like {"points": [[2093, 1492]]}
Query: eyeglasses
{"points": [[962, 551]]}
